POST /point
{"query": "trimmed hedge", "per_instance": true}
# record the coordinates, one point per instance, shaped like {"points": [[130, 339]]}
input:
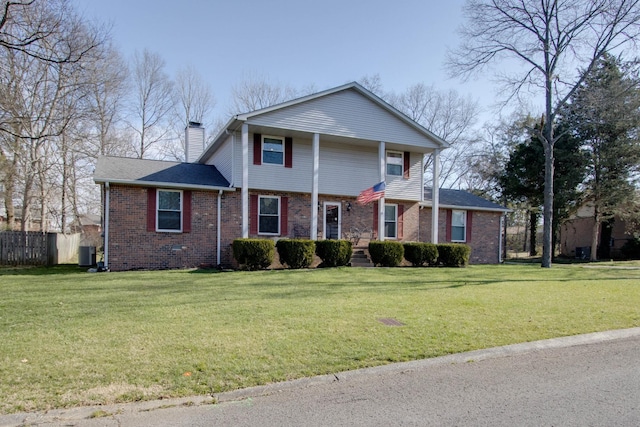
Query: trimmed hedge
{"points": [[453, 254], [254, 254], [334, 253], [420, 253], [296, 253], [631, 249], [387, 253]]}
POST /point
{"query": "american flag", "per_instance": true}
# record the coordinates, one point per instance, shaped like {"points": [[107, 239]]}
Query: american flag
{"points": [[371, 193]]}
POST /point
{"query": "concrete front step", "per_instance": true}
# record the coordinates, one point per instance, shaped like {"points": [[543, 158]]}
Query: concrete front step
{"points": [[360, 259]]}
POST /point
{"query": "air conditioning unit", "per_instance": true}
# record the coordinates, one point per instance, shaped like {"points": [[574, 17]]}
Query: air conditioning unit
{"points": [[87, 256]]}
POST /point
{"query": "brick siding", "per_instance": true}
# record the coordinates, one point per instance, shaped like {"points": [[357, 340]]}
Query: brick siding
{"points": [[132, 247], [485, 232]]}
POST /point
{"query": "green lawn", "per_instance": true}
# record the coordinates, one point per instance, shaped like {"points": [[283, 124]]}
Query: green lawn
{"points": [[72, 338]]}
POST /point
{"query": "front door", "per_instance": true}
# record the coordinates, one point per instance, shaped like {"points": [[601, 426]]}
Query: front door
{"points": [[332, 220]]}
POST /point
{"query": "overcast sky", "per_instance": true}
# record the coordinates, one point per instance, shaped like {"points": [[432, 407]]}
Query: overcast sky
{"points": [[294, 42]]}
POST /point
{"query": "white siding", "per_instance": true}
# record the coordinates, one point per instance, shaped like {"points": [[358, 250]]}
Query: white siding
{"points": [[346, 170], [279, 178], [407, 189], [222, 159], [348, 114]]}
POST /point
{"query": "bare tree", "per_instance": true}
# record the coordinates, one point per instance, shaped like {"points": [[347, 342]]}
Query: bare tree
{"points": [[256, 91], [448, 115], [557, 42], [153, 101], [194, 103]]}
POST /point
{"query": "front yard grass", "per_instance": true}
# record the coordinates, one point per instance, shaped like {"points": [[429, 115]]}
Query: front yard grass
{"points": [[71, 338]]}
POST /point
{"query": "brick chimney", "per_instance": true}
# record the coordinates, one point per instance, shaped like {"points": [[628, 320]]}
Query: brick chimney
{"points": [[194, 141]]}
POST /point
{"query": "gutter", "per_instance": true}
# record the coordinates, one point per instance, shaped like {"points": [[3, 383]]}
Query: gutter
{"points": [[176, 185]]}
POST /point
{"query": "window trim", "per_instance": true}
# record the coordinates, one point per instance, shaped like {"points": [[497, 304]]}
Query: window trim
{"points": [[282, 140], [395, 222], [401, 174], [464, 225], [279, 215], [181, 211]]}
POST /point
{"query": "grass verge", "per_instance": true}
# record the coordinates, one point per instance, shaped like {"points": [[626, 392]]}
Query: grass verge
{"points": [[71, 338]]}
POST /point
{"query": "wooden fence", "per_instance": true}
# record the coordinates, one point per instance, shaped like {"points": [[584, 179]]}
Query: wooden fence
{"points": [[35, 248]]}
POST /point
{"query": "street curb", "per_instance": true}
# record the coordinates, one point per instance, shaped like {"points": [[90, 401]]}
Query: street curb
{"points": [[64, 416]]}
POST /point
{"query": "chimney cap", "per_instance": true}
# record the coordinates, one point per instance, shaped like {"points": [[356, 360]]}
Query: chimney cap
{"points": [[195, 124]]}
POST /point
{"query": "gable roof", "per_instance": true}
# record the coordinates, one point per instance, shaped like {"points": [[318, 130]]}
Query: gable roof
{"points": [[158, 173], [259, 116], [460, 199]]}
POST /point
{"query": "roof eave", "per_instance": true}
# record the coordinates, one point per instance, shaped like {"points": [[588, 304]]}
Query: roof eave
{"points": [[175, 185], [429, 204]]}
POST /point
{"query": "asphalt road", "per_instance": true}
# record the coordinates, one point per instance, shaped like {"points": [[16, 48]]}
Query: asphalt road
{"points": [[588, 380]]}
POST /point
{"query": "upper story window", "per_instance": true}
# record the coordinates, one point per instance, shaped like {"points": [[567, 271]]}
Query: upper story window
{"points": [[391, 221], [458, 226], [273, 150], [169, 210], [269, 215], [395, 163]]}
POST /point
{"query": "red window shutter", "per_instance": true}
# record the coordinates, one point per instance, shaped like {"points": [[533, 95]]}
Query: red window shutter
{"points": [[288, 152], [186, 211], [257, 149], [449, 216], [400, 221], [253, 214], [406, 165], [151, 209], [469, 225], [375, 220], [284, 216]]}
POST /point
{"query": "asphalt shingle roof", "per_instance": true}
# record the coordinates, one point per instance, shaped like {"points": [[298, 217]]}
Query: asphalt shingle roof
{"points": [[462, 199], [148, 172]]}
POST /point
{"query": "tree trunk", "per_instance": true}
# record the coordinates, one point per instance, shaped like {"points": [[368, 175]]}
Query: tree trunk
{"points": [[547, 244], [533, 227], [595, 233]]}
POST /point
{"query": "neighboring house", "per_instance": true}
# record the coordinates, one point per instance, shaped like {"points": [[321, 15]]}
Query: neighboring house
{"points": [[291, 170], [576, 235]]}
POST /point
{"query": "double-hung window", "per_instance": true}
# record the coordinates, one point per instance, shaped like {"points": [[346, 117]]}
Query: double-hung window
{"points": [[458, 226], [269, 215], [395, 163], [169, 210], [273, 150], [391, 221]]}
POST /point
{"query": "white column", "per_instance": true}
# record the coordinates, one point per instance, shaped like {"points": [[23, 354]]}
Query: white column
{"points": [[381, 162], [315, 152], [245, 181], [435, 196]]}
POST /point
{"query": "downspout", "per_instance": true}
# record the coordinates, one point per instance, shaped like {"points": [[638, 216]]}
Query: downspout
{"points": [[106, 225], [218, 228], [315, 150]]}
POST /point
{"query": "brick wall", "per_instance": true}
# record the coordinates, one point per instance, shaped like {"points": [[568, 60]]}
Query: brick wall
{"points": [[485, 234], [132, 247]]}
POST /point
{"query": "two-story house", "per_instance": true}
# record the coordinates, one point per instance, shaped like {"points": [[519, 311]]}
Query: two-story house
{"points": [[291, 170]]}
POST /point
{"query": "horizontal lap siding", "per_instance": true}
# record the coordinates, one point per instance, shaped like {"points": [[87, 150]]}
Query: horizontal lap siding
{"points": [[280, 178], [345, 113], [407, 189], [345, 171], [223, 159]]}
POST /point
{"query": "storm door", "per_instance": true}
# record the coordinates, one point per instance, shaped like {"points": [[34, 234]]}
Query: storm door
{"points": [[332, 220]]}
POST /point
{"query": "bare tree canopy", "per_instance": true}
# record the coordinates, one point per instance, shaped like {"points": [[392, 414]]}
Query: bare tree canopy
{"points": [[557, 42], [152, 101], [47, 30]]}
